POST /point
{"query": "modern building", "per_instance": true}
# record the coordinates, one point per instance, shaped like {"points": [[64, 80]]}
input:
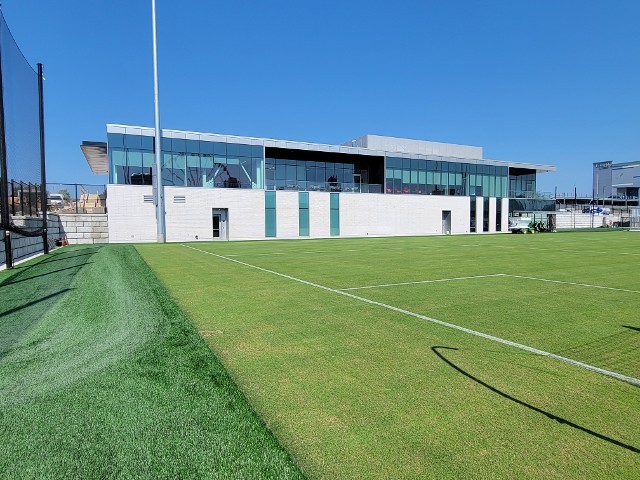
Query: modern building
{"points": [[616, 180], [232, 187]]}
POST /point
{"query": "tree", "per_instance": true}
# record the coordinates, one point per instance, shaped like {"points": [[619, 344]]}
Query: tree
{"points": [[65, 194]]}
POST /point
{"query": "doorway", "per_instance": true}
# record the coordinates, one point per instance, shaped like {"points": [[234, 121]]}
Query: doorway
{"points": [[446, 222], [220, 224]]}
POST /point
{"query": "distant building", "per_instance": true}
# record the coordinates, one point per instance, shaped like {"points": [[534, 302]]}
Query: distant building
{"points": [[232, 187], [616, 180]]}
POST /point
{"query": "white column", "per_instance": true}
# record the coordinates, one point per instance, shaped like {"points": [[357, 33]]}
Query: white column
{"points": [[504, 212], [479, 214], [492, 214]]}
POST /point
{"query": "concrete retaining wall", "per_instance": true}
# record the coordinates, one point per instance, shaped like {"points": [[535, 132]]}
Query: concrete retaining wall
{"points": [[85, 228]]}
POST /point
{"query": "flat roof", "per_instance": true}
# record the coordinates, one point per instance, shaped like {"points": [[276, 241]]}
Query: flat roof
{"points": [[318, 147]]}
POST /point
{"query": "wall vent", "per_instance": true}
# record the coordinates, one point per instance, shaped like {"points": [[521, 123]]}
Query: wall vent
{"points": [[179, 199], [147, 198]]}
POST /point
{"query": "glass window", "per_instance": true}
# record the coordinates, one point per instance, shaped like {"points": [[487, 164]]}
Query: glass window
{"points": [[393, 162], [166, 144], [133, 141], [220, 148], [115, 140], [134, 158], [334, 216], [147, 142], [270, 214], [148, 159], [206, 147], [257, 151], [233, 149], [178, 145], [244, 150], [193, 146]]}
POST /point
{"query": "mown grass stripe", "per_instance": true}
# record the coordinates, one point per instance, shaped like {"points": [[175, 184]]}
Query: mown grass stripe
{"points": [[618, 376]]}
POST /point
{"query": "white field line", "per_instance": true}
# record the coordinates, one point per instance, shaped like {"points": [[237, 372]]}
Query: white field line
{"points": [[421, 281], [624, 378], [572, 283], [418, 282]]}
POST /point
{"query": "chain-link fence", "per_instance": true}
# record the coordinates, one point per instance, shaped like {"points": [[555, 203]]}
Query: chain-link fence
{"points": [[76, 198]]}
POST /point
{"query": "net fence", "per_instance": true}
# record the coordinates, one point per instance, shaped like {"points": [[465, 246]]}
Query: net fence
{"points": [[21, 195]]}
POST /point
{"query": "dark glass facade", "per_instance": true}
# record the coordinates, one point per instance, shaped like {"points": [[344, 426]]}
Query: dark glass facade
{"points": [[431, 177], [190, 163], [199, 163], [522, 183]]}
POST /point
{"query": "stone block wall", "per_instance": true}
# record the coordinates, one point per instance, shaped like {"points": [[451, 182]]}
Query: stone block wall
{"points": [[85, 227]]}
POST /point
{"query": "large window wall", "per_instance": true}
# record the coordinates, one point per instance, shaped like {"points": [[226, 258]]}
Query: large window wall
{"points": [[522, 183], [431, 177], [191, 163], [308, 175]]}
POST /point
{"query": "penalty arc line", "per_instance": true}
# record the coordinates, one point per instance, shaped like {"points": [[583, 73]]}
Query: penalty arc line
{"points": [[618, 376]]}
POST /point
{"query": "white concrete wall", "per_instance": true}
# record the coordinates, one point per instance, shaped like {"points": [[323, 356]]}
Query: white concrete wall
{"points": [[187, 220], [287, 215], [133, 220], [492, 214], [505, 215], [130, 218], [374, 214], [319, 221]]}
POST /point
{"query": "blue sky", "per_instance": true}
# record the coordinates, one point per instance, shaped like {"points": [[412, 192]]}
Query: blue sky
{"points": [[546, 81]]}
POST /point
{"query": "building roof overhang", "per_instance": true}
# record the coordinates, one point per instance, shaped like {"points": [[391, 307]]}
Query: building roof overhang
{"points": [[96, 155]]}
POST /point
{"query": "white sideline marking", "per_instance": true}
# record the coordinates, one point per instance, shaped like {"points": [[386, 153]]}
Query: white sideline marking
{"points": [[487, 276], [572, 283], [422, 281], [619, 376]]}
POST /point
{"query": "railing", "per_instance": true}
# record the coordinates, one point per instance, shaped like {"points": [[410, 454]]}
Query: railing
{"points": [[24, 199], [76, 198], [323, 186], [531, 194]]}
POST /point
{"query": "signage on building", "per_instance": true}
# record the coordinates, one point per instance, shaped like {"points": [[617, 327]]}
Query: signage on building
{"points": [[602, 164]]}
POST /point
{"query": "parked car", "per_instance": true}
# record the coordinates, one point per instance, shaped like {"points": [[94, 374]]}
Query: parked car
{"points": [[55, 201]]}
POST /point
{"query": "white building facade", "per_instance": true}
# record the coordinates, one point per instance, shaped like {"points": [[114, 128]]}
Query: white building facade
{"points": [[219, 187]]}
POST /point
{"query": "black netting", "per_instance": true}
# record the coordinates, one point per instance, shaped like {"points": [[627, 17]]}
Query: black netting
{"points": [[21, 137]]}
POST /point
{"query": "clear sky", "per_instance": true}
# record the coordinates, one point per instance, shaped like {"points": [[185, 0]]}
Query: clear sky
{"points": [[545, 81]]}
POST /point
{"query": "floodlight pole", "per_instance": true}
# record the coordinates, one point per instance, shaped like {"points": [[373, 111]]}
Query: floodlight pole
{"points": [[159, 190]]}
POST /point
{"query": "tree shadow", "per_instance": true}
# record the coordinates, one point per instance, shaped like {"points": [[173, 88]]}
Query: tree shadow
{"points": [[529, 406]]}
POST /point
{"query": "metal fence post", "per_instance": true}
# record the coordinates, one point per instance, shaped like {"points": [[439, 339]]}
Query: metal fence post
{"points": [[77, 199], [43, 172]]}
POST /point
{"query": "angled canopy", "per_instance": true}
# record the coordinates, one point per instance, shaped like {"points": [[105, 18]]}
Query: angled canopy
{"points": [[96, 155]]}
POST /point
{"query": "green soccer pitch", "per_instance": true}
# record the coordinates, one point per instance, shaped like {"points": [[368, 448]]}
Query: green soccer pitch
{"points": [[477, 356], [366, 358]]}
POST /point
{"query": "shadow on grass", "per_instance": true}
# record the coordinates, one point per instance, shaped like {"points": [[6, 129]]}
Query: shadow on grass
{"points": [[527, 405], [33, 290], [637, 329]]}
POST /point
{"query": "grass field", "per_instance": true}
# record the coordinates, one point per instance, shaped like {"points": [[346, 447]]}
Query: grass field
{"points": [[323, 358], [365, 385], [103, 376]]}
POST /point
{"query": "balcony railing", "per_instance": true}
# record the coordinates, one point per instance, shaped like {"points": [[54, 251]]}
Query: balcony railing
{"points": [[303, 186]]}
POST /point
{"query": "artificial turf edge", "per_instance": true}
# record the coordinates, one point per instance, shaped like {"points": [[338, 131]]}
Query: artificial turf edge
{"points": [[111, 379]]}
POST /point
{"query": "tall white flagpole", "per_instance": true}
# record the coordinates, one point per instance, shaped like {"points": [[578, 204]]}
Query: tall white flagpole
{"points": [[157, 176]]}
